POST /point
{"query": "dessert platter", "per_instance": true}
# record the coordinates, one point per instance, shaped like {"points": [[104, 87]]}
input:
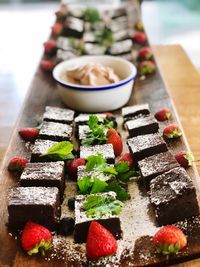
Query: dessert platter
{"points": [[98, 189]]}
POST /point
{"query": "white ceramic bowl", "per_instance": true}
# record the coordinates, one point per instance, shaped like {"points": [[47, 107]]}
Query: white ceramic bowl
{"points": [[99, 98]]}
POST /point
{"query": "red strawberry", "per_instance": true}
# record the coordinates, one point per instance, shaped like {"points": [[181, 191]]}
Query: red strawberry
{"points": [[169, 239], [114, 139], [163, 114], [127, 157], [100, 242], [146, 67], [139, 38], [47, 65], [184, 158], [109, 114], [139, 26], [17, 165], [57, 28], [29, 134], [171, 131], [50, 47], [145, 53], [36, 238], [72, 167]]}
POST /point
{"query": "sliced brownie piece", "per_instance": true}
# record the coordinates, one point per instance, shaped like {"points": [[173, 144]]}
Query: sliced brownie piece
{"points": [[41, 147], [157, 164], [62, 115], [55, 131], [73, 27], [121, 47], [38, 204], [82, 222], [83, 118], [106, 150], [143, 146], [173, 196], [48, 174], [94, 49], [94, 173], [141, 126], [128, 113], [62, 55]]}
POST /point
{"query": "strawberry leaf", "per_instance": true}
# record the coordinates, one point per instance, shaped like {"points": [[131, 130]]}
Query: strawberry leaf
{"points": [[189, 157]]}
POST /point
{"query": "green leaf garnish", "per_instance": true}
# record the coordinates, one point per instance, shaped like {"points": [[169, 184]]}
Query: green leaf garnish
{"points": [[60, 151], [105, 37], [100, 206], [89, 185], [97, 132], [95, 162], [77, 45], [91, 15], [121, 192], [121, 167]]}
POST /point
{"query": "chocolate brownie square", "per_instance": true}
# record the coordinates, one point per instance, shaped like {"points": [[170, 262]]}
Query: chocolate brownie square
{"points": [[37, 204], [141, 126], [55, 131], [62, 55], [48, 174], [41, 147], [130, 112], [73, 27], [121, 47], [143, 146], [173, 196], [157, 164], [83, 118], [82, 222], [62, 115], [94, 49], [106, 150]]}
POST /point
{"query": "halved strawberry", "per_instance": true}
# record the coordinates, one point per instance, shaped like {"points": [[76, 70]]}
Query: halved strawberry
{"points": [[139, 38], [50, 46], [169, 239], [100, 242], [57, 28], [146, 67], [145, 53], [163, 114], [72, 167], [17, 165], [127, 157], [47, 65], [36, 238], [114, 139], [184, 158], [171, 131], [29, 134]]}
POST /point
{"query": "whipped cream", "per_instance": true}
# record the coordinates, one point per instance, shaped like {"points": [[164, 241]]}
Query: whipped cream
{"points": [[92, 74]]}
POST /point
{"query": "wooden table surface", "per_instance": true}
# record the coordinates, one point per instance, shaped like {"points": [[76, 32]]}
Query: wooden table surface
{"points": [[183, 83]]}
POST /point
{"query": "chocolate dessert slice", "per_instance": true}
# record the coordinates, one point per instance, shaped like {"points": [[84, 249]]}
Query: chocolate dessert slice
{"points": [[82, 220], [106, 150], [74, 27], [128, 113], [55, 131], [173, 196], [82, 172], [56, 114], [41, 147], [157, 164], [94, 49], [48, 174], [143, 146], [121, 47], [142, 125], [37, 204], [62, 55]]}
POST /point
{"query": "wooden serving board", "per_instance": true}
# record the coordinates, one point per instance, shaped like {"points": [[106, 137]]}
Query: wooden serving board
{"points": [[43, 92]]}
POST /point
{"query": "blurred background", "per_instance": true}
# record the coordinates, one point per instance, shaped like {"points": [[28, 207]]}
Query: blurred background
{"points": [[25, 25]]}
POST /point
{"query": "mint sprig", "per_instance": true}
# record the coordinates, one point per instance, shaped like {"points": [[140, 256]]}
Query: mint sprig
{"points": [[101, 206], [60, 151], [105, 37], [97, 131], [91, 15], [89, 185]]}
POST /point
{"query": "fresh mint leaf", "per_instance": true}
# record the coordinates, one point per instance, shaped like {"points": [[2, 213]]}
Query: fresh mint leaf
{"points": [[105, 37], [93, 121], [85, 185], [60, 151], [114, 186], [121, 167], [98, 206], [125, 177], [91, 15], [95, 162], [98, 186], [110, 170]]}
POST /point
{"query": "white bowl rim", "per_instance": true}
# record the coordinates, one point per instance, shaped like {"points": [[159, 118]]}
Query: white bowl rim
{"points": [[56, 72]]}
